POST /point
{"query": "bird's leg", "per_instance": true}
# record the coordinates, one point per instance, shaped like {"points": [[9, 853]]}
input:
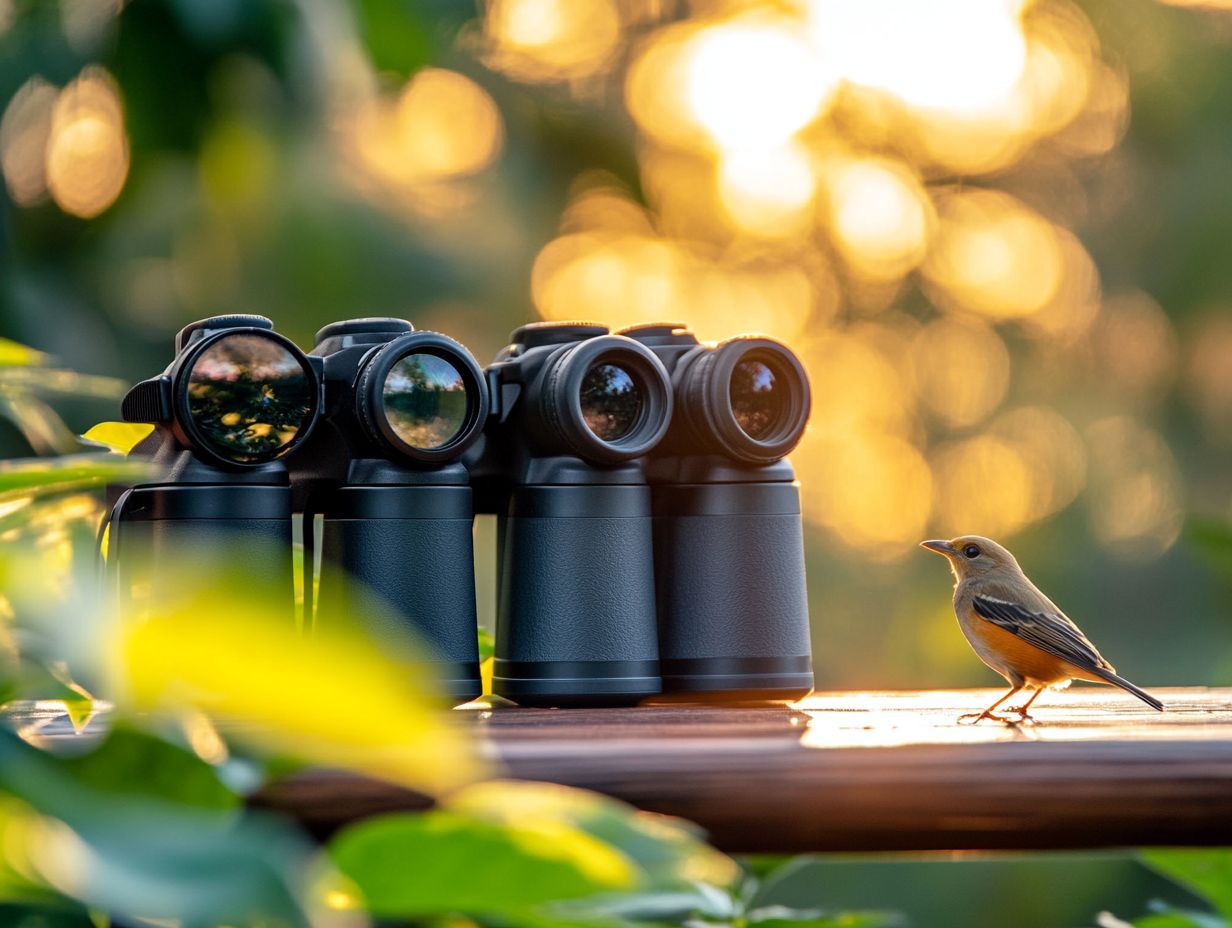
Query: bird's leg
{"points": [[1022, 710], [988, 713]]}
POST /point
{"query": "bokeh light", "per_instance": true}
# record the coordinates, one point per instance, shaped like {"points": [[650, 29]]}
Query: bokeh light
{"points": [[879, 215], [544, 41], [441, 127], [953, 55], [87, 148], [961, 370], [23, 141], [1134, 496]]}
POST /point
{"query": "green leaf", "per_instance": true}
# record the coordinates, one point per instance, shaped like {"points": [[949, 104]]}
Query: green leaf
{"points": [[1212, 538], [61, 382], [487, 644], [792, 882], [136, 763], [783, 917], [1208, 873], [396, 38], [407, 865], [672, 907], [669, 851], [35, 478], [133, 855], [1179, 918]]}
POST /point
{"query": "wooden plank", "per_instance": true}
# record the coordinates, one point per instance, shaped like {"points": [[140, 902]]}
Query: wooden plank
{"points": [[867, 771]]}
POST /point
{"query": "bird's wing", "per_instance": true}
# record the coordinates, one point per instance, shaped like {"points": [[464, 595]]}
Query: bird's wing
{"points": [[1049, 631]]}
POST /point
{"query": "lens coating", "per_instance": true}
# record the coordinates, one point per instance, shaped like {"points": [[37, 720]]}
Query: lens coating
{"points": [[425, 401], [611, 401], [248, 396], [757, 398]]}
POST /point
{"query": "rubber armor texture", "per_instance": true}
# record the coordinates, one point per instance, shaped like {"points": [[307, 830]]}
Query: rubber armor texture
{"points": [[577, 590], [422, 568], [157, 554], [731, 586]]}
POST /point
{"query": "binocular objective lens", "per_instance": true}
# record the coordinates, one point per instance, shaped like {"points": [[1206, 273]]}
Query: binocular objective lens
{"points": [[611, 401], [425, 400], [248, 396], [757, 398]]}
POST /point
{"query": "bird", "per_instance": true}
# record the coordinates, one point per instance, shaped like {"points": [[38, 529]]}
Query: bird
{"points": [[1018, 631]]}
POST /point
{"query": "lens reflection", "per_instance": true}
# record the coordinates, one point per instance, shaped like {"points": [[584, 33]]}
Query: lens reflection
{"points": [[425, 401], [611, 401], [756, 398], [248, 397]]}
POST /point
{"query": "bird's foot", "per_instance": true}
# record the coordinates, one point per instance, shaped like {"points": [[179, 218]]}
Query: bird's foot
{"points": [[1023, 715], [980, 716]]}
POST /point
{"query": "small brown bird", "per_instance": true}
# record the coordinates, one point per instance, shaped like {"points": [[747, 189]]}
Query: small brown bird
{"points": [[1017, 630]]}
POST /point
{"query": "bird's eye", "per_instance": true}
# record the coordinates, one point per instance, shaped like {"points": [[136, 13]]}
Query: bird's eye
{"points": [[971, 551]]}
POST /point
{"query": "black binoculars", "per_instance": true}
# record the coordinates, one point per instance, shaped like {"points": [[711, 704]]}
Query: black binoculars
{"points": [[649, 530]]}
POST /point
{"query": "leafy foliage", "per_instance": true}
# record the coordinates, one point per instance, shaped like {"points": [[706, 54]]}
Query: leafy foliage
{"points": [[1206, 873]]}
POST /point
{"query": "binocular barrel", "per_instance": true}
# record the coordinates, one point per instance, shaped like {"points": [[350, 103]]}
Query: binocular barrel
{"points": [[159, 533], [576, 621], [397, 522], [729, 546], [412, 547], [576, 617], [729, 571]]}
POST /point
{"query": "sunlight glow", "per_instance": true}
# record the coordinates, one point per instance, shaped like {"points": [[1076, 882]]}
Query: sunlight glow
{"points": [[753, 83], [961, 370], [993, 256], [1134, 499], [880, 216], [768, 192], [23, 141], [541, 41], [442, 127], [945, 54], [87, 149]]}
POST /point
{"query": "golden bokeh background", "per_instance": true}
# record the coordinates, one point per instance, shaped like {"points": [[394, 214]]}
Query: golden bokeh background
{"points": [[953, 211]]}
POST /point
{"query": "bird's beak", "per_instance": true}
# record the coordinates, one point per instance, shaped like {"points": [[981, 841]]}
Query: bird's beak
{"points": [[938, 545]]}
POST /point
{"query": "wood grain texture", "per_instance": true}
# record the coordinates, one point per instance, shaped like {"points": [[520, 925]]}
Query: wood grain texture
{"points": [[866, 771]]}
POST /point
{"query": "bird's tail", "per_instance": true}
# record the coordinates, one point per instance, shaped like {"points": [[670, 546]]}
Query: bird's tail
{"points": [[1130, 688]]}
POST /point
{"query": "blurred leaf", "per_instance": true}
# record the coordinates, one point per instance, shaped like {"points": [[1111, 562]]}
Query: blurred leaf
{"points": [[17, 822], [783, 917], [34, 478], [487, 644], [1213, 540], [133, 762], [52, 913], [395, 36], [781, 885], [487, 662], [148, 857], [14, 354], [414, 864], [119, 436], [62, 382], [1208, 873], [673, 907], [335, 697], [1179, 918], [668, 850], [38, 423]]}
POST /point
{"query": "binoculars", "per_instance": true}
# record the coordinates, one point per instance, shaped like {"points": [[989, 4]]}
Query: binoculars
{"points": [[648, 525]]}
